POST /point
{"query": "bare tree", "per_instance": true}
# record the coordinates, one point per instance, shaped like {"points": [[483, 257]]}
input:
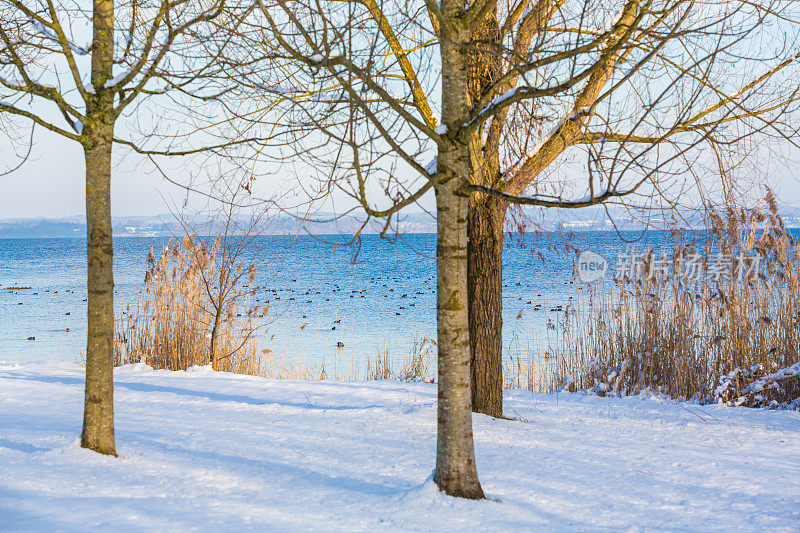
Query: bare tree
{"points": [[198, 306], [344, 97], [74, 69], [641, 92], [633, 88], [227, 266]]}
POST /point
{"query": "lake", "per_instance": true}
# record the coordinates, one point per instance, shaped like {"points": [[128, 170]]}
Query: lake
{"points": [[382, 301]]}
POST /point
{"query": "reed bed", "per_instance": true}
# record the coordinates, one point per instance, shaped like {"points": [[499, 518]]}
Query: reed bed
{"points": [[419, 364], [172, 326], [727, 338]]}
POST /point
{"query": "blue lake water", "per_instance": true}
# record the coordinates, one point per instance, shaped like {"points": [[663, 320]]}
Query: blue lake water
{"points": [[383, 301]]}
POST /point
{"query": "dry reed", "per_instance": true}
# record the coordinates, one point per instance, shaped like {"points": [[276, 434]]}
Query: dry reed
{"points": [[171, 327], [706, 340]]}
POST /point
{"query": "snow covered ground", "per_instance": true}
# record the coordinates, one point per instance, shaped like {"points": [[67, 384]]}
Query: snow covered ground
{"points": [[209, 452]]}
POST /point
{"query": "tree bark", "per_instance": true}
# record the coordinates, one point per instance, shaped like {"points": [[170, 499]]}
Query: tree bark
{"points": [[485, 229], [485, 294], [98, 413], [214, 333], [456, 473], [97, 140]]}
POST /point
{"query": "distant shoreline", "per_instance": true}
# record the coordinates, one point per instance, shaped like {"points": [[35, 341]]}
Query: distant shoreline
{"points": [[321, 233], [410, 224]]}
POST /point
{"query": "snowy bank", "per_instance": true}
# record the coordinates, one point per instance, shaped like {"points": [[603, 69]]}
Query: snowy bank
{"points": [[208, 451]]}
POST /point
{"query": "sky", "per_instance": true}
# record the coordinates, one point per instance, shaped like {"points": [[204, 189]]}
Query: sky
{"points": [[51, 183]]}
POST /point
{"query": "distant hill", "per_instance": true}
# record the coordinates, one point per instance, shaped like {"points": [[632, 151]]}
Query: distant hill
{"points": [[587, 219], [167, 226], [76, 227], [27, 229]]}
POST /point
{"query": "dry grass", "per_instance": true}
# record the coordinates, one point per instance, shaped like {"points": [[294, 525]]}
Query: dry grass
{"points": [[682, 339], [171, 326], [525, 368], [419, 364]]}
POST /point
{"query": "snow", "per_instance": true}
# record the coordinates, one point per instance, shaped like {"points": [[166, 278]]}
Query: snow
{"points": [[209, 451], [11, 84], [618, 15], [316, 58], [496, 101], [80, 50], [432, 167], [581, 112], [505, 96], [583, 199], [734, 388], [485, 132], [41, 29], [116, 80], [789, 371], [278, 89], [48, 34], [441, 129], [568, 381]]}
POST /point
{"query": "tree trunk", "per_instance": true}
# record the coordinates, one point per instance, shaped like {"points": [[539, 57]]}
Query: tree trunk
{"points": [[97, 140], [485, 289], [456, 473], [485, 229], [214, 334], [98, 414]]}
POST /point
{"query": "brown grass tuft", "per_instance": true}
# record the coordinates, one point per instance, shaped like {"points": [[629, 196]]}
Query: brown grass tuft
{"points": [[170, 328], [683, 339]]}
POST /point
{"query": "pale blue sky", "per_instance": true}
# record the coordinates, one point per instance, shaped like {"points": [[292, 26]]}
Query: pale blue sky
{"points": [[51, 183]]}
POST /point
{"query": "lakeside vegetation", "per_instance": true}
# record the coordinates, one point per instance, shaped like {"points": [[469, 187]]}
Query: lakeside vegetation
{"points": [[717, 339], [729, 339]]}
